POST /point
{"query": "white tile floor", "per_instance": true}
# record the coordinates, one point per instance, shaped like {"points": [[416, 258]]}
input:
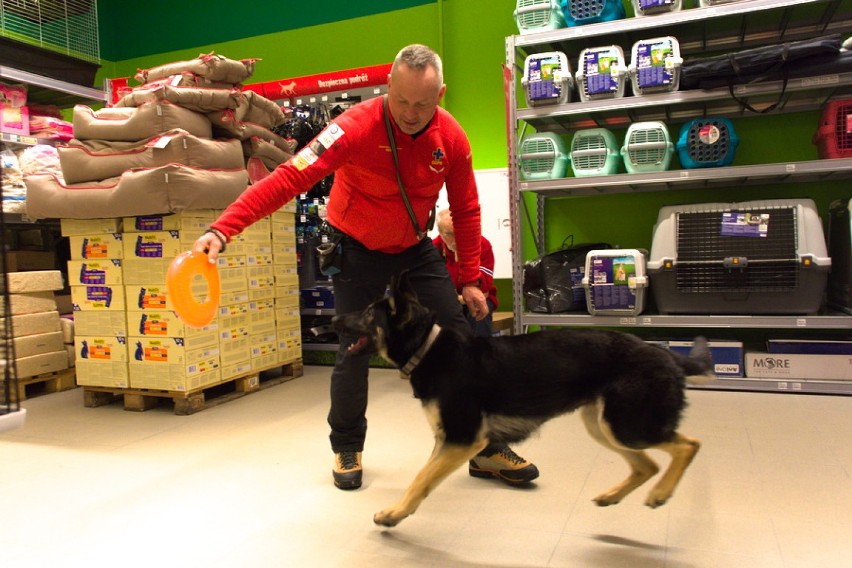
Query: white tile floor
{"points": [[248, 483]]}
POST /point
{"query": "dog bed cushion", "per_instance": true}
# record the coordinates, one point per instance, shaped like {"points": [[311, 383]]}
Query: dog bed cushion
{"points": [[269, 153], [98, 159], [143, 191], [214, 67], [139, 123], [193, 98]]}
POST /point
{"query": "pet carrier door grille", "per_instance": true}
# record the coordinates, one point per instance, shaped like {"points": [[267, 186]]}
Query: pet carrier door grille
{"points": [[711, 261], [69, 27], [843, 127]]}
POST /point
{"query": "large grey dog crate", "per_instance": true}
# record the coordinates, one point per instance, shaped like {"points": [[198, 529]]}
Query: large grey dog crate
{"points": [[753, 257]]}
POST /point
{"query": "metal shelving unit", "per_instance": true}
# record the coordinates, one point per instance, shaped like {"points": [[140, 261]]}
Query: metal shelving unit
{"points": [[720, 28]]}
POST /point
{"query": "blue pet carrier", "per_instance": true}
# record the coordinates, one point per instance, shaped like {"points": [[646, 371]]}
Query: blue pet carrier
{"points": [[594, 152], [538, 15], [547, 78], [542, 156], [707, 143], [582, 12], [601, 73], [655, 65]]}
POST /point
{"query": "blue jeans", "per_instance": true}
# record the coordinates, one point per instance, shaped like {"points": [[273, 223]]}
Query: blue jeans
{"points": [[363, 279]]}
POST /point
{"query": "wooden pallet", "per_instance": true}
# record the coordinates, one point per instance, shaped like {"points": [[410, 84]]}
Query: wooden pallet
{"points": [[47, 383], [190, 402]]}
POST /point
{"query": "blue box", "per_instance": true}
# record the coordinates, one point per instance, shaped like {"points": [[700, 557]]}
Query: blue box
{"points": [[318, 298], [809, 346], [727, 356]]}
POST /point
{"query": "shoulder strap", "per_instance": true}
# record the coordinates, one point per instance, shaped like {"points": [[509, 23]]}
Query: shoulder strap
{"points": [[420, 234]]}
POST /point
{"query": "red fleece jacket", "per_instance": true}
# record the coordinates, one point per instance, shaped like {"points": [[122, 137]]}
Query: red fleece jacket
{"points": [[486, 268], [365, 202]]}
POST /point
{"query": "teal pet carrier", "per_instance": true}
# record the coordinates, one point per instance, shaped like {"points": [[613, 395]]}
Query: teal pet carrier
{"points": [[594, 152], [707, 143], [542, 156], [582, 12], [538, 15], [647, 147]]}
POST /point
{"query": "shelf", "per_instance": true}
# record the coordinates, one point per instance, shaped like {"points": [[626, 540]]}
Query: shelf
{"points": [[799, 386], [838, 321], [801, 94], [800, 172], [48, 91], [712, 28]]}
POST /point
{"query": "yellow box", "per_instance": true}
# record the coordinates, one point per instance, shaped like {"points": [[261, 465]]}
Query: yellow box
{"points": [[280, 229], [230, 260], [287, 316], [172, 377], [262, 322], [235, 297], [102, 373], [152, 245], [99, 246], [100, 348], [286, 270], [107, 272], [262, 345], [139, 271], [287, 298], [149, 297], [232, 280], [174, 351], [260, 277], [289, 344], [236, 369], [261, 256], [100, 323], [265, 362], [284, 251], [234, 326], [258, 294], [235, 351], [70, 227], [183, 221], [97, 298], [164, 324], [233, 309]]}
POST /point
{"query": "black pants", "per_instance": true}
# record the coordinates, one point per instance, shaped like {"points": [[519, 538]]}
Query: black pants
{"points": [[363, 279]]}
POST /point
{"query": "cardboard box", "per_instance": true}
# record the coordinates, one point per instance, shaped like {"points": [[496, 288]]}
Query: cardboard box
{"points": [[200, 350], [35, 281], [163, 324], [32, 324], [101, 246], [145, 271], [32, 303], [102, 374], [100, 323], [148, 298], [101, 348], [98, 298], [105, 272], [172, 377], [809, 346], [76, 227], [152, 245], [39, 364], [25, 260], [792, 366], [727, 356], [15, 120], [36, 344]]}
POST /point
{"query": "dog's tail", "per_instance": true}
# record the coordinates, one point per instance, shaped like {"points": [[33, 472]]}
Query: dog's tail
{"points": [[698, 366]]}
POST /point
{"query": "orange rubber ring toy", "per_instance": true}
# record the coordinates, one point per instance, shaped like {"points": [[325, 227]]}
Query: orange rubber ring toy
{"points": [[183, 270]]}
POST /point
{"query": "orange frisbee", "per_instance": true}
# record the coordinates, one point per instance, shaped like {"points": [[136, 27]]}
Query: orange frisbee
{"points": [[184, 273]]}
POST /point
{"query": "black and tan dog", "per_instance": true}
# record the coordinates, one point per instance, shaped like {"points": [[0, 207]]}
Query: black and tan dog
{"points": [[630, 393]]}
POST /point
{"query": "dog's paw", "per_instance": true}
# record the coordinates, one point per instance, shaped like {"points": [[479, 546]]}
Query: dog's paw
{"points": [[607, 499], [388, 518], [653, 501]]}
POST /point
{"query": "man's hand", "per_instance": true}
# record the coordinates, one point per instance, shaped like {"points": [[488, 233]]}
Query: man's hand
{"points": [[209, 243], [474, 299]]}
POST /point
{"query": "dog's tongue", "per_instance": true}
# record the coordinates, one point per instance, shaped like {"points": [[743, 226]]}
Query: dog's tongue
{"points": [[359, 344]]}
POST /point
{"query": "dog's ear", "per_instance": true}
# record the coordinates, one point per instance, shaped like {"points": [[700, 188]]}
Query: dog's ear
{"points": [[401, 291]]}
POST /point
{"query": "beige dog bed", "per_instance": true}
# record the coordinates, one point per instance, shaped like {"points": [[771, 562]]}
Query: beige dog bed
{"points": [[138, 123]]}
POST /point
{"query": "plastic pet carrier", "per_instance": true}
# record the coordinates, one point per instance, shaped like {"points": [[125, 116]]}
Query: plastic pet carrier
{"points": [[754, 257], [547, 79], [582, 12], [834, 136], [707, 142], [543, 156], [594, 152], [601, 73], [553, 282], [705, 3], [655, 65], [538, 15], [615, 281], [651, 7], [647, 147], [840, 250]]}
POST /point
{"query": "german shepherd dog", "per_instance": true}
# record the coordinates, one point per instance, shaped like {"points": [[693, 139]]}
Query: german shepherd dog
{"points": [[630, 394]]}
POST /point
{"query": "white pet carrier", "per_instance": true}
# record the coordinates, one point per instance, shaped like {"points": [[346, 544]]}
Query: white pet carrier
{"points": [[543, 156], [538, 15], [647, 147], [840, 250], [651, 7], [754, 257], [594, 152], [705, 3], [615, 281], [601, 73], [547, 79], [655, 65]]}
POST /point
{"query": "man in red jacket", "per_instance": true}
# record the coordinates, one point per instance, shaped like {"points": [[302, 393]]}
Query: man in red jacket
{"points": [[379, 238]]}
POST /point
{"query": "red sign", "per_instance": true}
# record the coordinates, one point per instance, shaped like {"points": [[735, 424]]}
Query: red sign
{"points": [[323, 82]]}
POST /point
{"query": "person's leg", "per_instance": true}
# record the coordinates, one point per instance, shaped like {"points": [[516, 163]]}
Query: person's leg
{"points": [[361, 281]]}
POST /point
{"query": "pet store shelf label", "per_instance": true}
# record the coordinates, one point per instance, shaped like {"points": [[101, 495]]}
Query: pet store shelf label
{"points": [[323, 82]]}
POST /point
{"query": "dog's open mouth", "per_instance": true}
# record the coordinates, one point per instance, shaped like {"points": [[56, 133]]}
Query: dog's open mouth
{"points": [[360, 344]]}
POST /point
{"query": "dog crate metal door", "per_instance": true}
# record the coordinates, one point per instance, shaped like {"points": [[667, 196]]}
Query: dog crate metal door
{"points": [[737, 251]]}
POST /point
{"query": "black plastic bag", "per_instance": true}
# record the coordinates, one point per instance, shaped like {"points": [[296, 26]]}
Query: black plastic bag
{"points": [[553, 282]]}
